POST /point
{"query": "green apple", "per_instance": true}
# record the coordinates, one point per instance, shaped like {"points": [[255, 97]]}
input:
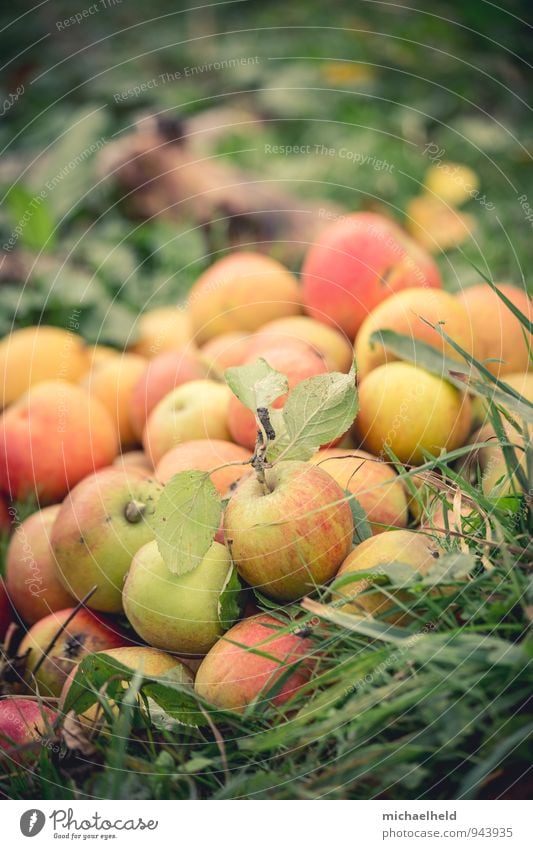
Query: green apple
{"points": [[179, 613]]}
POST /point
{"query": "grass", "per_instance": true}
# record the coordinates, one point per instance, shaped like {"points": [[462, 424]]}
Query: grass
{"points": [[442, 707]]}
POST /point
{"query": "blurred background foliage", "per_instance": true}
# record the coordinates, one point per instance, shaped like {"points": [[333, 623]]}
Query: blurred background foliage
{"points": [[378, 78]]}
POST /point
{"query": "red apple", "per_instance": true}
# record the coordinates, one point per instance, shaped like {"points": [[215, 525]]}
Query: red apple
{"points": [[232, 674], [22, 722], [86, 633], [31, 578], [359, 261], [204, 455], [51, 438]]}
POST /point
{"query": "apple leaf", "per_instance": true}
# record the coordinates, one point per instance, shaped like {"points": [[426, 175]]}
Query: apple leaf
{"points": [[186, 519], [450, 568], [256, 385], [229, 600], [317, 411]]}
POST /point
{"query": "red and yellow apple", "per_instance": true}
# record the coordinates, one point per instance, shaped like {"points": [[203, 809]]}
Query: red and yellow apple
{"points": [[195, 410], [404, 313], [31, 578], [358, 262], [291, 533], [204, 455], [241, 292], [163, 329], [248, 661], [100, 526], [86, 633], [329, 343], [372, 481], [497, 333], [51, 438], [34, 354], [22, 722], [228, 349], [113, 383]]}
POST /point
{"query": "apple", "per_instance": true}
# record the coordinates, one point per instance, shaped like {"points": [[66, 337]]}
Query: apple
{"points": [[22, 722], [404, 313], [100, 526], [160, 376], [247, 662], [358, 262], [136, 460], [113, 382], [34, 354], [241, 292], [86, 633], [178, 613], [51, 438], [151, 662], [409, 548], [294, 359], [497, 333], [228, 349], [31, 578], [409, 410], [204, 455], [291, 534], [372, 481], [195, 410], [163, 329], [99, 354], [331, 344]]}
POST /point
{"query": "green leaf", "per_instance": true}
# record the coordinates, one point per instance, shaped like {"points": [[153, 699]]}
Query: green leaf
{"points": [[256, 385], [361, 525], [186, 519], [95, 672], [317, 411], [229, 600], [31, 219]]}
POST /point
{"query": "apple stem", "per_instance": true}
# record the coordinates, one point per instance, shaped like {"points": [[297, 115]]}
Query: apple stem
{"points": [[265, 432]]}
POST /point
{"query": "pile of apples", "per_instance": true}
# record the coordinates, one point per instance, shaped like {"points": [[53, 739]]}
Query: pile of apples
{"points": [[94, 435]]}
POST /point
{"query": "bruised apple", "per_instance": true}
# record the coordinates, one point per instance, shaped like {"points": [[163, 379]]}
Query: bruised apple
{"points": [[23, 722], [87, 632], [248, 662], [357, 263], [99, 527], [51, 438], [291, 533], [31, 579], [241, 292]]}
